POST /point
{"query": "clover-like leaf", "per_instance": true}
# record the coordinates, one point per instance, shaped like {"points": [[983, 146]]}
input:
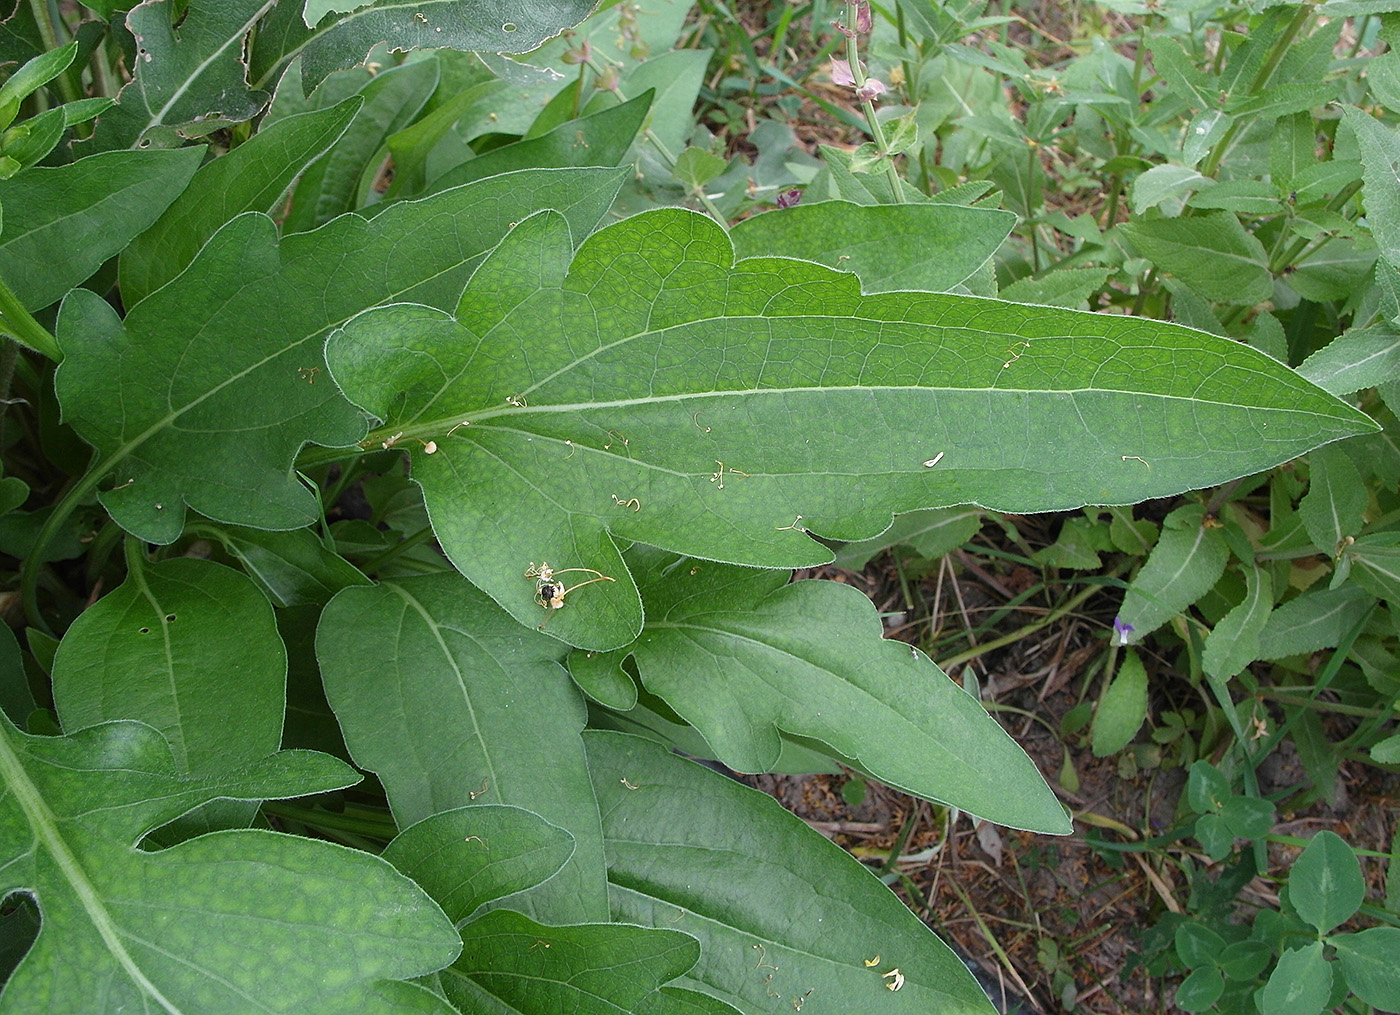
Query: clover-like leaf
{"points": [[742, 654], [451, 702], [778, 909], [188, 78], [206, 391], [653, 390], [230, 922]]}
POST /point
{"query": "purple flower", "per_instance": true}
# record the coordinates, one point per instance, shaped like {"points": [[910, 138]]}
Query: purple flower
{"points": [[1121, 630]]}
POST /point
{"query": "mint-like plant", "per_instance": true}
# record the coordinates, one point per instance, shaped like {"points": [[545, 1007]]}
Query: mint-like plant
{"points": [[418, 458]]}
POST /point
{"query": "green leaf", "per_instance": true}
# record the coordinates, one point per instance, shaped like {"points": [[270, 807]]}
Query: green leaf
{"points": [[467, 857], [742, 655], [671, 397], [1063, 287], [1165, 181], [446, 698], [1377, 560], [1234, 642], [205, 925], [599, 139], [189, 78], [1201, 989], [1387, 751], [1244, 960], [252, 177], [220, 374], [62, 223], [689, 850], [292, 568], [696, 167], [524, 966], [1315, 620], [1380, 160], [1325, 884], [1299, 985], [187, 646], [1360, 358], [16, 698], [1336, 501], [1211, 253], [27, 143], [931, 533], [1248, 817], [339, 180], [32, 76], [1122, 708], [1368, 963], [1187, 561], [932, 247], [493, 26], [412, 147]]}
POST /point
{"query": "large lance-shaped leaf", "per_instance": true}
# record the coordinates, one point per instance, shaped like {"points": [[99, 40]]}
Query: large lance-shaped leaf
{"points": [[654, 390], [231, 922], [451, 702], [742, 654], [495, 26], [208, 389], [61, 223], [187, 81], [781, 913]]}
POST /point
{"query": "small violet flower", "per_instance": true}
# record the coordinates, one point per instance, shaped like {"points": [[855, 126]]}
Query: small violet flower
{"points": [[1121, 630]]}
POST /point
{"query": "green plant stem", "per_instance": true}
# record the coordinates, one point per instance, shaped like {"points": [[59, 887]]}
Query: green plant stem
{"points": [[399, 548], [1069, 606], [665, 153], [876, 131], [1260, 82], [58, 517], [315, 817], [20, 325]]}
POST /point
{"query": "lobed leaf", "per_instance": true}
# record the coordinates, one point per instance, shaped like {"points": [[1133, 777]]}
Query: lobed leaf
{"points": [[206, 391], [252, 177], [226, 923], [653, 390]]}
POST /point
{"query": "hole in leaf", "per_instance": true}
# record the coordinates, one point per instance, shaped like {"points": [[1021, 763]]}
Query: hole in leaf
{"points": [[145, 630], [509, 26], [170, 618]]}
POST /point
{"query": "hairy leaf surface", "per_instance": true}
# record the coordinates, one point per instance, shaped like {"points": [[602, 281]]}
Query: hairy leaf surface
{"points": [[654, 390]]}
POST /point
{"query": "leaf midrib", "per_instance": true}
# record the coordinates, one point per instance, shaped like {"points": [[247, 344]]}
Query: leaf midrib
{"points": [[45, 826]]}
